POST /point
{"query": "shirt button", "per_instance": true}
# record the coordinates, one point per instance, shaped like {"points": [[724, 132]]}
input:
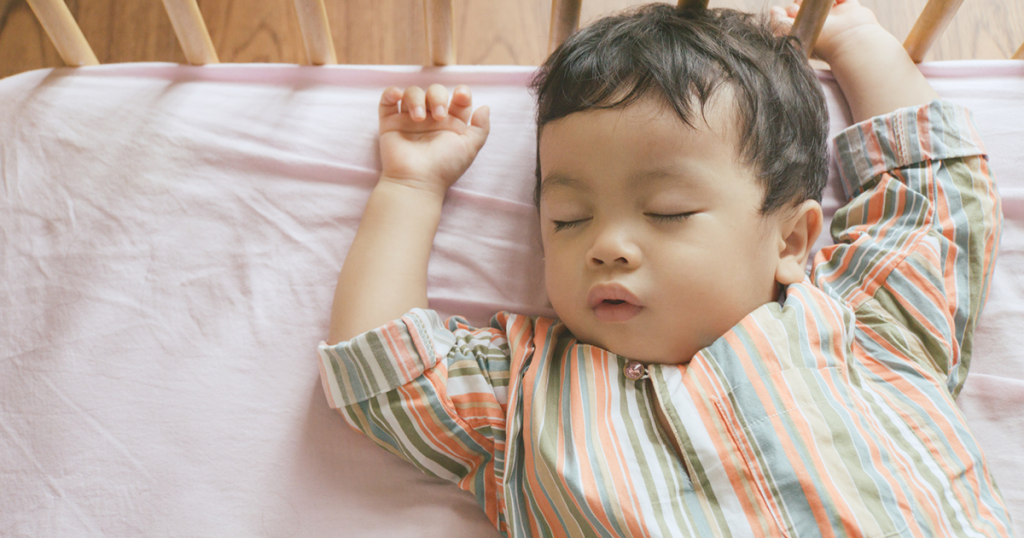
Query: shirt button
{"points": [[634, 370]]}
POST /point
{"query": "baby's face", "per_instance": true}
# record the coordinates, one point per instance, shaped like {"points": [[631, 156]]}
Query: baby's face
{"points": [[654, 246]]}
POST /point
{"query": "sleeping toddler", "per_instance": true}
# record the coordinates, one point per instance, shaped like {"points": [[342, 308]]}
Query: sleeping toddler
{"points": [[697, 381]]}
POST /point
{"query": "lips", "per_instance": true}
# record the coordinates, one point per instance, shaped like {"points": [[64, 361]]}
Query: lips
{"points": [[613, 302]]}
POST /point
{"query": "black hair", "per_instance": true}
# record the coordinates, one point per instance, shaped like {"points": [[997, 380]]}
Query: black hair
{"points": [[684, 57]]}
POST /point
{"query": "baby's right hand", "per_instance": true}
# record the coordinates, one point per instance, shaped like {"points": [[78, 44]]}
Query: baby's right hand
{"points": [[428, 143], [848, 25]]}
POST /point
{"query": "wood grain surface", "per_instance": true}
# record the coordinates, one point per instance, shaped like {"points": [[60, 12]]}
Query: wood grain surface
{"points": [[392, 31]]}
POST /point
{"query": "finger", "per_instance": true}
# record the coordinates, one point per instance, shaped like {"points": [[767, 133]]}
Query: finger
{"points": [[462, 103], [389, 102], [792, 10], [480, 127], [779, 15], [413, 103], [437, 101], [781, 24]]}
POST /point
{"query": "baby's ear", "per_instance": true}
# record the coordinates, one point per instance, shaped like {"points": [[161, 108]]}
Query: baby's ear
{"points": [[799, 230]]}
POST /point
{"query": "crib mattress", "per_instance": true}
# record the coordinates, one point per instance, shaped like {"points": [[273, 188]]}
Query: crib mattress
{"points": [[170, 238]]}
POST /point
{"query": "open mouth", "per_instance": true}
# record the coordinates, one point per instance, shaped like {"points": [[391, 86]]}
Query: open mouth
{"points": [[612, 302], [614, 310]]}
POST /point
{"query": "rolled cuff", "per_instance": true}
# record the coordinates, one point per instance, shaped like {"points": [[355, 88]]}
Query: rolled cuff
{"points": [[383, 359], [935, 131]]}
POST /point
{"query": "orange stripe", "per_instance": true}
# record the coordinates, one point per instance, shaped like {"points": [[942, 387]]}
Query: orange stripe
{"points": [[911, 391], [529, 442], [418, 407], [562, 431], [768, 357], [699, 379], [616, 456], [924, 131], [578, 410], [845, 511], [397, 349]]}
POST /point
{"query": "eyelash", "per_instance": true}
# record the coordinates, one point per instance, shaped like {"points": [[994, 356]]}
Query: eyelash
{"points": [[563, 225], [671, 218]]}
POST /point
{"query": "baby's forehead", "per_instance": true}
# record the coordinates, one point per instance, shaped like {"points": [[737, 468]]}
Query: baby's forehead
{"points": [[654, 131], [719, 115], [592, 144]]}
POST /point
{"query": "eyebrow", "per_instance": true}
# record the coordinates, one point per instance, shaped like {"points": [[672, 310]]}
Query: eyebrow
{"points": [[635, 181], [558, 180], [659, 173]]}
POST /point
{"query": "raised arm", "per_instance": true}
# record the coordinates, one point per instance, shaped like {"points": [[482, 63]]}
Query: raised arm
{"points": [[870, 65], [916, 244], [425, 146], [387, 368]]}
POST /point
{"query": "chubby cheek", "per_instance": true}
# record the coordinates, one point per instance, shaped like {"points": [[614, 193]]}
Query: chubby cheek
{"points": [[698, 295], [557, 280], [565, 292]]}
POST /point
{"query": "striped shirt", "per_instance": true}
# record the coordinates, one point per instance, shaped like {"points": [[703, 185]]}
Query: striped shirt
{"points": [[829, 413]]}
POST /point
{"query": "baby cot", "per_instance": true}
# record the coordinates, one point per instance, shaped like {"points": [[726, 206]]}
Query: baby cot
{"points": [[171, 237]]}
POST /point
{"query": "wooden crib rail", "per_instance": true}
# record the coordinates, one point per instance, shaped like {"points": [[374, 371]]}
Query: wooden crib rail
{"points": [[190, 28], [929, 26], [565, 19], [191, 31], [316, 32], [809, 21], [440, 31], [56, 19]]}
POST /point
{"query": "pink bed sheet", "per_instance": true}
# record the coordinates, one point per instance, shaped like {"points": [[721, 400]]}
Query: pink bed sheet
{"points": [[169, 242]]}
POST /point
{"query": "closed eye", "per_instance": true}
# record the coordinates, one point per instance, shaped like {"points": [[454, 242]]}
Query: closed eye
{"points": [[671, 218], [565, 224]]}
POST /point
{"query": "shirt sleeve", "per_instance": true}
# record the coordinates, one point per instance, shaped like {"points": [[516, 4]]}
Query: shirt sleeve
{"points": [[432, 393], [916, 245]]}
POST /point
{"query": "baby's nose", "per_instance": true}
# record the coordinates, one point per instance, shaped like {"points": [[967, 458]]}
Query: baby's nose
{"points": [[614, 247], [620, 260]]}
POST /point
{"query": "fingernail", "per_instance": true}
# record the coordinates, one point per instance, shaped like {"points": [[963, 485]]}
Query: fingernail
{"points": [[439, 112], [419, 112]]}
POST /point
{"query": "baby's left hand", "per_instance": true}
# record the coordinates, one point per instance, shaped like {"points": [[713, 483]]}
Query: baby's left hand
{"points": [[847, 25], [428, 142]]}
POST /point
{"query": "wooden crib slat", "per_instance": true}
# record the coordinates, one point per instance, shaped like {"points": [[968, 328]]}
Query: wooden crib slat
{"points": [[692, 4], [565, 19], [67, 37], [1019, 55], [316, 32], [809, 21], [188, 24], [929, 26], [440, 31]]}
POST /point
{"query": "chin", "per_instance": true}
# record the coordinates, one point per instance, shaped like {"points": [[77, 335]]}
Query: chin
{"points": [[645, 356], [654, 356], [623, 346], [660, 358]]}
